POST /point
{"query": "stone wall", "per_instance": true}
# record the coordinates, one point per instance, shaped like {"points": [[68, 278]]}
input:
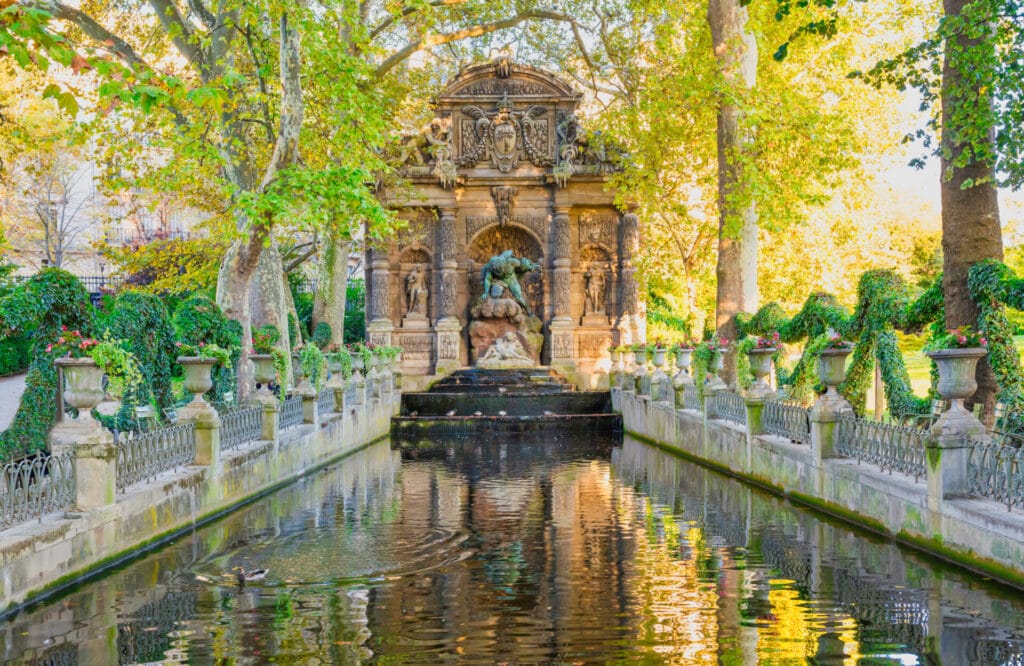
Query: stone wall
{"points": [[60, 550], [977, 533]]}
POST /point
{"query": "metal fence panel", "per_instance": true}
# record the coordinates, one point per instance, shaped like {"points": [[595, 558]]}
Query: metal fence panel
{"points": [[889, 446], [240, 426], [996, 471], [691, 398], [291, 412], [142, 456], [325, 401], [730, 406], [787, 420], [36, 486]]}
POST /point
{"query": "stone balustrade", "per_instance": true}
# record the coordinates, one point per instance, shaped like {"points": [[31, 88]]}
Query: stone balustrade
{"points": [[103, 499], [891, 479]]}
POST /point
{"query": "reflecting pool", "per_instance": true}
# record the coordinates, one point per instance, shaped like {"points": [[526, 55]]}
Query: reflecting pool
{"points": [[525, 550]]}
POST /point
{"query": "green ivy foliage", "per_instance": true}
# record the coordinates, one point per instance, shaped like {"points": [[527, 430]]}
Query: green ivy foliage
{"points": [[50, 299], [883, 305], [15, 355], [142, 321], [198, 319], [322, 335], [994, 286]]}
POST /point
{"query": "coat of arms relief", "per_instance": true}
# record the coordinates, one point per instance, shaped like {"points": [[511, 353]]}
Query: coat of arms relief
{"points": [[505, 136]]}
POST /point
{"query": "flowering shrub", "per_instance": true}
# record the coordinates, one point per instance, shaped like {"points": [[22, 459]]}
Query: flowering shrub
{"points": [[958, 338], [770, 342], [264, 338], [72, 344], [836, 341], [202, 350]]}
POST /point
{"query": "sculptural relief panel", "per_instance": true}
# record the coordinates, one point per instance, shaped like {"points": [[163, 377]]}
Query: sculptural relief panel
{"points": [[597, 229], [418, 232]]}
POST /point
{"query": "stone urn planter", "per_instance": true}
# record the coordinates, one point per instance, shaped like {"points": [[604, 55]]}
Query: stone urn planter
{"points": [[660, 382], [761, 366], [832, 371], [334, 366], [357, 369], [263, 371], [957, 382], [684, 358], [615, 369], [198, 379], [715, 382], [639, 370], [83, 388]]}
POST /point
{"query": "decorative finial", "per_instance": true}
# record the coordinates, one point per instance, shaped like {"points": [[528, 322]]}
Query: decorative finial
{"points": [[503, 66]]}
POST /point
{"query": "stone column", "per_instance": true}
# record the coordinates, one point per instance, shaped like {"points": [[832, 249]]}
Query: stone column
{"points": [[378, 331], [449, 328], [563, 330], [631, 326]]}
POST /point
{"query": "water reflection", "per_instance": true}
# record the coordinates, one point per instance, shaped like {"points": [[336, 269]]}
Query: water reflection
{"points": [[525, 551]]}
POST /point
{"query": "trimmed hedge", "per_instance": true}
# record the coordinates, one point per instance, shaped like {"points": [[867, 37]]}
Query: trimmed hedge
{"points": [[48, 300]]}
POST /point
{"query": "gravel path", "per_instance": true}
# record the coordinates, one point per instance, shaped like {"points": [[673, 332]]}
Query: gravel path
{"points": [[11, 389]]}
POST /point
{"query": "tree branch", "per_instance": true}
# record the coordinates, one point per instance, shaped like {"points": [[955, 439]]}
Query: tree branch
{"points": [[179, 31], [300, 259], [426, 41], [394, 18], [204, 14], [93, 29]]}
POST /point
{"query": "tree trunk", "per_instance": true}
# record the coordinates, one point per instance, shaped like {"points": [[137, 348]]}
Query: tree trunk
{"points": [[332, 282], [970, 215], [736, 52]]}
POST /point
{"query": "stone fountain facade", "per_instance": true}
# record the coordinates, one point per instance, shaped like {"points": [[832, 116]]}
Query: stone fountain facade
{"points": [[505, 165]]}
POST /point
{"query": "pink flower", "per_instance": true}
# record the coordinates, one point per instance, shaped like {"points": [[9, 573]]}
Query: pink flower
{"points": [[63, 328], [49, 348], [983, 342]]}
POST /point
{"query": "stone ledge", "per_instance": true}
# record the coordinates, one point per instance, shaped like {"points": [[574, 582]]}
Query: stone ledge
{"points": [[40, 559]]}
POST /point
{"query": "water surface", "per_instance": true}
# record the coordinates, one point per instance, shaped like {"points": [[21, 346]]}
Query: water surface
{"points": [[529, 550]]}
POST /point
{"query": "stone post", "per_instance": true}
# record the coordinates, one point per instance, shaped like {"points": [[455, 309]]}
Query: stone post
{"points": [[310, 409], [271, 416], [562, 327], [339, 397], [95, 471], [449, 327], [207, 427], [830, 407], [755, 415], [948, 447]]}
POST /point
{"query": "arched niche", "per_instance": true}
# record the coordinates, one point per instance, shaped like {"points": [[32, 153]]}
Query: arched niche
{"points": [[497, 239]]}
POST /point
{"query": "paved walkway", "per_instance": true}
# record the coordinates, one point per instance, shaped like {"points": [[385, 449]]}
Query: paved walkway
{"points": [[11, 389]]}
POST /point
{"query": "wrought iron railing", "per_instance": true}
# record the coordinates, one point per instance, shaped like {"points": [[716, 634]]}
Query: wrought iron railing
{"points": [[325, 401], [147, 634], [729, 406], [142, 456], [996, 471], [788, 420], [240, 426], [36, 486], [892, 447], [291, 412], [691, 398]]}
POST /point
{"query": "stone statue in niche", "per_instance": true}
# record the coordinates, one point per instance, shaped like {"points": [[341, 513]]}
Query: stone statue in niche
{"points": [[593, 301], [502, 272], [416, 291], [501, 311]]}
